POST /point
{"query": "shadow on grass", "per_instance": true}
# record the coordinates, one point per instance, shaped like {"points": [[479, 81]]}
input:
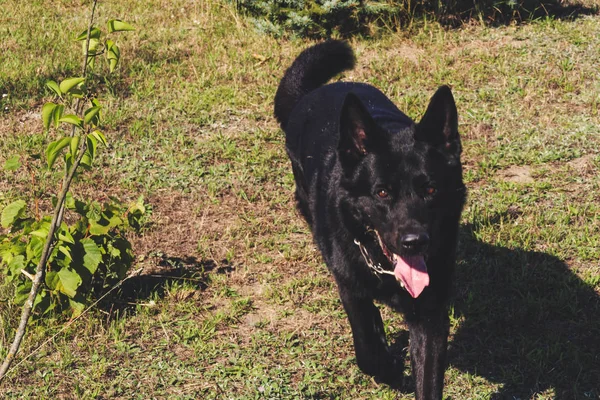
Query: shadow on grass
{"points": [[146, 287], [500, 12], [530, 323]]}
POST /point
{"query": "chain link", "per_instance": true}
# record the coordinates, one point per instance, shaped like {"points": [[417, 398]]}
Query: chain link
{"points": [[376, 268]]}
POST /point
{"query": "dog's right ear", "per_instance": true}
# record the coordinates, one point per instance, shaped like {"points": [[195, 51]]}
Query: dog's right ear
{"points": [[357, 129]]}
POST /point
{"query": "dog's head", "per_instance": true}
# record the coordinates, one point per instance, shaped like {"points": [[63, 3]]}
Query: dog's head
{"points": [[403, 184]]}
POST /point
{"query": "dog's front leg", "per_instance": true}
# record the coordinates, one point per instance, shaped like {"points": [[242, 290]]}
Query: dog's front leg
{"points": [[370, 344], [428, 344]]}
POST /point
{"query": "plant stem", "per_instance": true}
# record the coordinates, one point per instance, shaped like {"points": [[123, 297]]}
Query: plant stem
{"points": [[87, 41], [79, 103]]}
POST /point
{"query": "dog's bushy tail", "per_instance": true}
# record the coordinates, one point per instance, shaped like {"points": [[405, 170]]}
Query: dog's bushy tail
{"points": [[311, 69]]}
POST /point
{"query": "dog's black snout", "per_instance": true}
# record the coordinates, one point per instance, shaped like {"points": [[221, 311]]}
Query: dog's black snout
{"points": [[415, 241]]}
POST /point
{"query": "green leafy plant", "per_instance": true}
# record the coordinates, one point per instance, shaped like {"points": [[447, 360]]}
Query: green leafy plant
{"points": [[54, 265], [89, 254], [94, 247]]}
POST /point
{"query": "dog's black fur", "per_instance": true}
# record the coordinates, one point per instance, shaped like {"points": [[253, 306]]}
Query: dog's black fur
{"points": [[366, 172]]}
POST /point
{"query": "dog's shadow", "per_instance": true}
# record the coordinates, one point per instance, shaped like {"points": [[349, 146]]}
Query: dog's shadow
{"points": [[526, 322]]}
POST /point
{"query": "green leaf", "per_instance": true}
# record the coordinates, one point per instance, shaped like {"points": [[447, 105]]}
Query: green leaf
{"points": [[76, 205], [92, 115], [12, 164], [12, 212], [54, 149], [42, 230], [64, 234], [94, 213], [42, 301], [98, 229], [112, 64], [16, 265], [65, 251], [73, 120], [93, 47], [51, 306], [69, 199], [7, 252], [92, 144], [77, 307], [77, 93], [114, 251], [48, 114], [52, 279], [72, 153], [69, 281], [74, 146], [34, 249], [54, 87], [113, 54], [94, 34], [114, 221], [93, 255], [42, 233], [92, 50], [137, 209], [91, 61], [22, 292], [99, 136], [116, 25], [68, 84], [58, 113], [90, 151]]}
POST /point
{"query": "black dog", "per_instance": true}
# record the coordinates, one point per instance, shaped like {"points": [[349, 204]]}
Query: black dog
{"points": [[383, 197]]}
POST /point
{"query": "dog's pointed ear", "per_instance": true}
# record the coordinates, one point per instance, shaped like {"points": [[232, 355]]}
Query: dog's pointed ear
{"points": [[439, 125], [357, 129]]}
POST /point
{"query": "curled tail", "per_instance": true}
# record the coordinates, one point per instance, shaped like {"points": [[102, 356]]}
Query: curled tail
{"points": [[311, 69]]}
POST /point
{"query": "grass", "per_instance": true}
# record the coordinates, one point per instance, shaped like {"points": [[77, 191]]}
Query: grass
{"points": [[235, 301]]}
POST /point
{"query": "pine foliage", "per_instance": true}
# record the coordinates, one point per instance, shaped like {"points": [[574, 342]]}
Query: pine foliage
{"points": [[318, 18], [342, 18]]}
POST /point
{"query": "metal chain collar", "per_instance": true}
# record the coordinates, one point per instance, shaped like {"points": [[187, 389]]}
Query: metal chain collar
{"points": [[376, 268]]}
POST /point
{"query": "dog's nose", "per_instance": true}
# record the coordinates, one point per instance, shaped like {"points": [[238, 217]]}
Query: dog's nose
{"points": [[414, 241]]}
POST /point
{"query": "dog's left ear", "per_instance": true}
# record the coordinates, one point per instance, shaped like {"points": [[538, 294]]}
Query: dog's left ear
{"points": [[439, 125]]}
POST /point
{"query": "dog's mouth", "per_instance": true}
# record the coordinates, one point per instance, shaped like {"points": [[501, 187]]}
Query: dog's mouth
{"points": [[410, 270]]}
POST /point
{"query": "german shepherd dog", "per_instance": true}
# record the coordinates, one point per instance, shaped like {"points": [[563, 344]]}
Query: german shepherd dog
{"points": [[383, 197]]}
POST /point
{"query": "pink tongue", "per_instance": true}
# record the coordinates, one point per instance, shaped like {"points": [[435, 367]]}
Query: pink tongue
{"points": [[412, 272]]}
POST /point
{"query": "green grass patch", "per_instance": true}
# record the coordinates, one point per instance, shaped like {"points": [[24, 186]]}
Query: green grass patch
{"points": [[235, 301]]}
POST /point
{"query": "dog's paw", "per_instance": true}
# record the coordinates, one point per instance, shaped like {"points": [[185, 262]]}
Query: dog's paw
{"points": [[394, 375], [389, 371]]}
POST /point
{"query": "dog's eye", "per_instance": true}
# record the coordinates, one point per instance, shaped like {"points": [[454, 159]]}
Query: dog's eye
{"points": [[430, 190], [382, 193]]}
